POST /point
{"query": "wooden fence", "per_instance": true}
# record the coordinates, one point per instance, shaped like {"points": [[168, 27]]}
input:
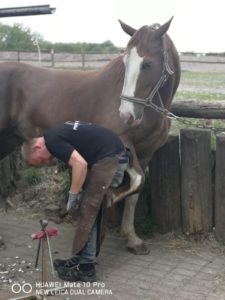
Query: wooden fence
{"points": [[187, 184], [97, 60], [60, 60]]}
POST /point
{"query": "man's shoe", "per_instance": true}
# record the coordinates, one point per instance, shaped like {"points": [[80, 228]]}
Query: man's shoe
{"points": [[82, 272], [68, 263]]}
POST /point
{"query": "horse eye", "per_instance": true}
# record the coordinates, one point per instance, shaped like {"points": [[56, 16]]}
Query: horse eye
{"points": [[146, 65]]}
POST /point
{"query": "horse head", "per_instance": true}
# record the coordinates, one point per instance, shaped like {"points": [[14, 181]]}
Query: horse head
{"points": [[146, 69]]}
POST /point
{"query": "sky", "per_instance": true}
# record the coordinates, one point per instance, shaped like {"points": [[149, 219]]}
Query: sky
{"points": [[198, 25]]}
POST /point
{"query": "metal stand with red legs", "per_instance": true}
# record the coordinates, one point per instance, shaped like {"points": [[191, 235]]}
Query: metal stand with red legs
{"points": [[44, 247]]}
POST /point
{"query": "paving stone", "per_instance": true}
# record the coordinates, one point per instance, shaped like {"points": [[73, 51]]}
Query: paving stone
{"points": [[190, 267], [192, 272], [185, 272], [187, 295], [161, 267], [211, 271]]}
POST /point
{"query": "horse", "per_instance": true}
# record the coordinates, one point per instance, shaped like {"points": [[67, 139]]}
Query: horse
{"points": [[33, 99]]}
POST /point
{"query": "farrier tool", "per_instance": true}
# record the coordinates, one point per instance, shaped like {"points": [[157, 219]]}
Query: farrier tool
{"points": [[44, 245]]}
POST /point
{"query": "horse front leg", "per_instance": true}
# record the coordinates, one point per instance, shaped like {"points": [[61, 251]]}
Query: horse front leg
{"points": [[136, 174], [8, 142], [134, 243]]}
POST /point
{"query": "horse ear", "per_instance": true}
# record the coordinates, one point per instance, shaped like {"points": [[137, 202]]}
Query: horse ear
{"points": [[126, 28], [163, 29]]}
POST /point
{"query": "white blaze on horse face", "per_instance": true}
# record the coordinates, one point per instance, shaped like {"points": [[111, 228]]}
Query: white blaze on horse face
{"points": [[132, 62]]}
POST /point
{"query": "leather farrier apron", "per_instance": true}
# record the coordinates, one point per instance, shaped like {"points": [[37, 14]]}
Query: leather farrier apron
{"points": [[97, 183]]}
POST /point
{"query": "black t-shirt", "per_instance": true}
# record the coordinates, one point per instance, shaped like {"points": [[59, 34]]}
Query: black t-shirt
{"points": [[91, 141]]}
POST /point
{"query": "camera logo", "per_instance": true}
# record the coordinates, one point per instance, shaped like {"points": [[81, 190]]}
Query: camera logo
{"points": [[26, 288]]}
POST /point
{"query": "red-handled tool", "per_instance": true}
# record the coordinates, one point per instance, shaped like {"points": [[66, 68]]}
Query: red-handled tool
{"points": [[43, 242], [43, 237], [40, 234]]}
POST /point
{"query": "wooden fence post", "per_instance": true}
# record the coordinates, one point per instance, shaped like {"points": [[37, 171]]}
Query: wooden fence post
{"points": [[196, 181], [83, 60], [52, 58], [165, 186], [220, 188], [18, 56]]}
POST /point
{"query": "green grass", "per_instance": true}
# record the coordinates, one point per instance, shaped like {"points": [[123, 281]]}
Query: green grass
{"points": [[200, 86], [31, 175], [200, 96], [203, 78]]}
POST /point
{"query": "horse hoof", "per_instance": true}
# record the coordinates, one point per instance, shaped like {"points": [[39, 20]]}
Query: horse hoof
{"points": [[141, 249]]}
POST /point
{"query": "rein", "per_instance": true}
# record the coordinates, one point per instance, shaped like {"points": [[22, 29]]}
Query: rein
{"points": [[166, 72]]}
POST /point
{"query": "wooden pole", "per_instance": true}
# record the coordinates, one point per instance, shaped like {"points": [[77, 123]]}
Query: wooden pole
{"points": [[83, 59], [52, 58], [220, 188], [196, 181], [165, 186], [199, 109], [18, 56]]}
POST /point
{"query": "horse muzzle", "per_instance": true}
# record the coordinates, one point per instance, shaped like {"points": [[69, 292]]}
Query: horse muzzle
{"points": [[129, 119]]}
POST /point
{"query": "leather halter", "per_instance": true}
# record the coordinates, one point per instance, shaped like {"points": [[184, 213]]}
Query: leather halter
{"points": [[166, 72]]}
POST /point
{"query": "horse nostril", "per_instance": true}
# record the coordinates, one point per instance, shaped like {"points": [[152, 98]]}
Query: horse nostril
{"points": [[131, 118], [126, 117]]}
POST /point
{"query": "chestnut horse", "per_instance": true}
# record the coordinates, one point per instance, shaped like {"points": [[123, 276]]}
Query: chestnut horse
{"points": [[33, 99]]}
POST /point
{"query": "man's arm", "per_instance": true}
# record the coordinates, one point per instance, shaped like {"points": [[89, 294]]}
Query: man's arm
{"points": [[79, 171]]}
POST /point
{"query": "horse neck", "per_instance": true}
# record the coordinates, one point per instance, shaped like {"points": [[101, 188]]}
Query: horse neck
{"points": [[113, 73]]}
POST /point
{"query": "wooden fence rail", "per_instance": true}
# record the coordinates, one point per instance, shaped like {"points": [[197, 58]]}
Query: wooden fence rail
{"points": [[96, 60], [60, 60], [199, 109]]}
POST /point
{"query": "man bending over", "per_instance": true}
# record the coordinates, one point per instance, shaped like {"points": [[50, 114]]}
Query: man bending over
{"points": [[98, 160]]}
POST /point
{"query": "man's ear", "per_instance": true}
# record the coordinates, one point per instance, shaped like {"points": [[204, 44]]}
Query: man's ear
{"points": [[37, 147]]}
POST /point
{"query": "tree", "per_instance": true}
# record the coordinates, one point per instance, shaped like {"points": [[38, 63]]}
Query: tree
{"points": [[20, 38], [16, 37]]}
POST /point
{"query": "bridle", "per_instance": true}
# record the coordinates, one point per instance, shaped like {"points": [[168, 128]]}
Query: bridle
{"points": [[166, 72]]}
